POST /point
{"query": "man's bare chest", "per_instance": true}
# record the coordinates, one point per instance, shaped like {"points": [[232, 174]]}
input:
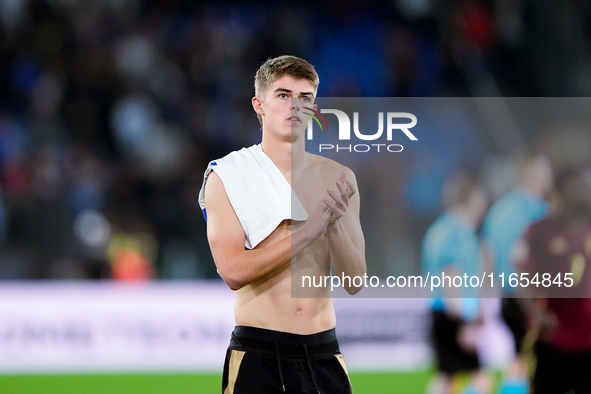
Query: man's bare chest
{"points": [[311, 188]]}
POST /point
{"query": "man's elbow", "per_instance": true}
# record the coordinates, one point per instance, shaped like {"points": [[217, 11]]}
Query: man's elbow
{"points": [[235, 280], [352, 290], [234, 285], [361, 274]]}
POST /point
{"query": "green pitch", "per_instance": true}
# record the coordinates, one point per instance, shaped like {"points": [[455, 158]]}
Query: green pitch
{"points": [[363, 383]]}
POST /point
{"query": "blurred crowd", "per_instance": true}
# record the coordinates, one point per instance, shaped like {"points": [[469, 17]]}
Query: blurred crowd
{"points": [[539, 234], [110, 110]]}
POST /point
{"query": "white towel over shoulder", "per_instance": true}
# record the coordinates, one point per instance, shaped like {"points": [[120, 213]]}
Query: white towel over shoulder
{"points": [[259, 193]]}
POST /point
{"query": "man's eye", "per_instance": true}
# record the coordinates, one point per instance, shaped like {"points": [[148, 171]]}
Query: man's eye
{"points": [[283, 95], [306, 98]]}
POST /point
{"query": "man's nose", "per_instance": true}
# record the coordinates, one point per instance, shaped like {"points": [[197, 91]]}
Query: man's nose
{"points": [[295, 104]]}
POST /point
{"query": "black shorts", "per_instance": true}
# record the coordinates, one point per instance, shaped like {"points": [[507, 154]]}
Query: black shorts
{"points": [[264, 361], [514, 317], [450, 357], [557, 371]]}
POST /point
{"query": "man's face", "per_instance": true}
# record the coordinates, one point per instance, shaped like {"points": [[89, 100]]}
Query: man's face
{"points": [[282, 107]]}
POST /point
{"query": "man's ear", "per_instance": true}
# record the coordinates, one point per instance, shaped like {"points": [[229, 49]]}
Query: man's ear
{"points": [[257, 104]]}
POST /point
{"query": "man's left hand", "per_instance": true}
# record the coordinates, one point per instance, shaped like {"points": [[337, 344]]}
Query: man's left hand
{"points": [[338, 201]]}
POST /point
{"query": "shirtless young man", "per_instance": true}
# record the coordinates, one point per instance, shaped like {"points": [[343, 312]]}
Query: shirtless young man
{"points": [[284, 344]]}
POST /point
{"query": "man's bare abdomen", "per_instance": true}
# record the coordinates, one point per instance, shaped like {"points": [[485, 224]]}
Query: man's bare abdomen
{"points": [[268, 303]]}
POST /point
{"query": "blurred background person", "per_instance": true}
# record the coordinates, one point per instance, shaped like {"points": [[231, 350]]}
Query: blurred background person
{"points": [[451, 247], [503, 227], [558, 252], [3, 220], [108, 107]]}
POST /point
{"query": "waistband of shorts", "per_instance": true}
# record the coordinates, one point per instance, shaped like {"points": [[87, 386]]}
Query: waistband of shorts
{"points": [[287, 344], [285, 337]]}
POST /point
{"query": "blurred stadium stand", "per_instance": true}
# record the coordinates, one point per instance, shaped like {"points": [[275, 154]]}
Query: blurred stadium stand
{"points": [[110, 110]]}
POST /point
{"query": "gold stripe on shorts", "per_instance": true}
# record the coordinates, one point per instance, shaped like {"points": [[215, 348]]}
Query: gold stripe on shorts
{"points": [[235, 361], [341, 359]]}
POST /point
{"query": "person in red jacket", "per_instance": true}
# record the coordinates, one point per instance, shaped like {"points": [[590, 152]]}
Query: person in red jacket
{"points": [[558, 252]]}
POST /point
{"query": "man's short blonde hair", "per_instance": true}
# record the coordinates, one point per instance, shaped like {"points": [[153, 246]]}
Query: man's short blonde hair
{"points": [[275, 68]]}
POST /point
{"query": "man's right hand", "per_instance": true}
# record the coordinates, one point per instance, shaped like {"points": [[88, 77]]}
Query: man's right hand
{"points": [[332, 206], [317, 223]]}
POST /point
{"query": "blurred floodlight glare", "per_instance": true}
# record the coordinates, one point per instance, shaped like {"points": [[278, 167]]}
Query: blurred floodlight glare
{"points": [[92, 228], [414, 9], [135, 56], [10, 12], [133, 119], [47, 94]]}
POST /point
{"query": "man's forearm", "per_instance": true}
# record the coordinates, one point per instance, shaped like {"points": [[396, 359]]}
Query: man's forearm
{"points": [[247, 266], [346, 258]]}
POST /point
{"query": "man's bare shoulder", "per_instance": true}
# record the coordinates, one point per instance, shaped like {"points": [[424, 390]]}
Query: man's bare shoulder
{"points": [[328, 168]]}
